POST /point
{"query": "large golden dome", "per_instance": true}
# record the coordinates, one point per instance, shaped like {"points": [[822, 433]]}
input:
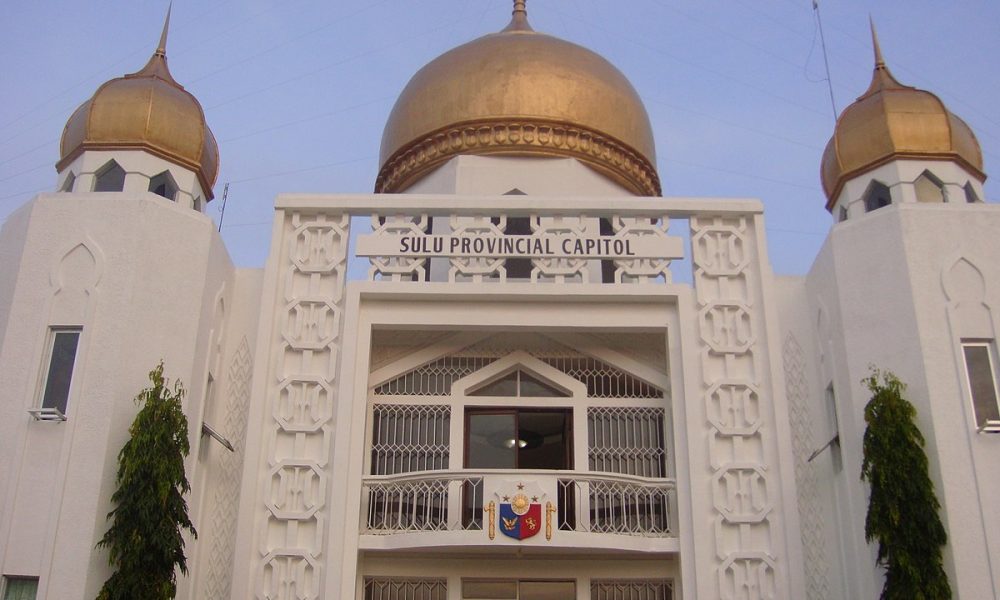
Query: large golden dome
{"points": [[892, 121], [522, 93], [145, 110]]}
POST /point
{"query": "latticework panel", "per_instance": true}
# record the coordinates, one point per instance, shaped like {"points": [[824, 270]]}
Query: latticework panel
{"points": [[627, 440], [631, 589], [393, 588], [618, 507], [629, 509], [422, 505], [603, 380], [436, 378], [407, 438]]}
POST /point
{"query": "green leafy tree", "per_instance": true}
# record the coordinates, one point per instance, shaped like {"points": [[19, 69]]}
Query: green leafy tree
{"points": [[145, 541], [902, 510]]}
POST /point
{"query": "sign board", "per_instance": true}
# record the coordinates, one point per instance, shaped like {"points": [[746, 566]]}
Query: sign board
{"points": [[624, 247]]}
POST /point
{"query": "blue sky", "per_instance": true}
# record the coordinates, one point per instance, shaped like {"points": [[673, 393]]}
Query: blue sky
{"points": [[297, 92]]}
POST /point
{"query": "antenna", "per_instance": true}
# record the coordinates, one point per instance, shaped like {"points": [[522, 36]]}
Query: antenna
{"points": [[222, 209], [826, 62]]}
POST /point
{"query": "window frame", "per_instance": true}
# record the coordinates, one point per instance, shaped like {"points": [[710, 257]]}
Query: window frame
{"points": [[985, 425], [47, 411], [7, 579]]}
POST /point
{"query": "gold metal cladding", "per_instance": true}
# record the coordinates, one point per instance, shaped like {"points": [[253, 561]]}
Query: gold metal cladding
{"points": [[893, 121], [491, 509], [520, 138], [522, 82], [146, 110]]}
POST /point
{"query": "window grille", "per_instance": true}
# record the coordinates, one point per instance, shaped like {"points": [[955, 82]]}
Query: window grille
{"points": [[602, 380], [629, 441], [393, 588], [434, 378], [631, 589], [407, 438]]}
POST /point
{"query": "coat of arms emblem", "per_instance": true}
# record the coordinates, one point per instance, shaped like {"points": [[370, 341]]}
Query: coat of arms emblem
{"points": [[520, 515]]}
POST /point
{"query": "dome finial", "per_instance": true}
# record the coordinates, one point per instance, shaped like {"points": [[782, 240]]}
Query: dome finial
{"points": [[161, 49], [882, 78], [519, 17], [879, 61]]}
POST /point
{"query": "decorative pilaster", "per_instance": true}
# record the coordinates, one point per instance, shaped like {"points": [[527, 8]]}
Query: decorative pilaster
{"points": [[742, 487], [301, 402]]}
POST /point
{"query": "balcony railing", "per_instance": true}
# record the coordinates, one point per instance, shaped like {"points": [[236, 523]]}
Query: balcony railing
{"points": [[584, 502]]}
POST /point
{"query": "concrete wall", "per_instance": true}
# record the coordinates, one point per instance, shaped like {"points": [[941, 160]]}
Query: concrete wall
{"points": [[141, 276]]}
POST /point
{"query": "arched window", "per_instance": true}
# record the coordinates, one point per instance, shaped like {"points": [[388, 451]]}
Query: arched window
{"points": [[929, 188], [877, 196], [67, 185], [842, 215], [970, 193], [110, 178], [164, 185]]}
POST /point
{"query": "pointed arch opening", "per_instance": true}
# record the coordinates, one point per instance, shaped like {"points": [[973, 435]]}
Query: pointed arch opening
{"points": [[110, 178], [929, 188], [877, 196], [164, 185], [68, 183], [970, 193]]}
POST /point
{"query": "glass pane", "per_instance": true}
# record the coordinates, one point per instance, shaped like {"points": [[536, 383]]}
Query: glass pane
{"points": [[982, 383], [542, 440], [20, 588], [505, 386], [60, 370], [492, 441], [480, 589], [533, 387], [547, 590]]}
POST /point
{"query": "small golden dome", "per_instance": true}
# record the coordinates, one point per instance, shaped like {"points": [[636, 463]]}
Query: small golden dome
{"points": [[892, 121], [519, 93], [145, 110]]}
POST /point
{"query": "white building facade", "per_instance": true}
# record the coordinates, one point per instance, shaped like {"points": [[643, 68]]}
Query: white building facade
{"points": [[521, 400]]}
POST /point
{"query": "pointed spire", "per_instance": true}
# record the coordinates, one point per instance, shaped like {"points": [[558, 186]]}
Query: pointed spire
{"points": [[157, 64], [161, 50], [882, 78], [519, 17]]}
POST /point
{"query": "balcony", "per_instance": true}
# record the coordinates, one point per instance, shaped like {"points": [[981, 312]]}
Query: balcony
{"points": [[464, 511]]}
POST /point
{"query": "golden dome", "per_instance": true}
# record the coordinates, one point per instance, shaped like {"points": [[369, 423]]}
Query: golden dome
{"points": [[519, 93], [146, 110], [891, 121]]}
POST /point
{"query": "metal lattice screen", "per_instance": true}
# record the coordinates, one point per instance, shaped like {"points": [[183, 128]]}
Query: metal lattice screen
{"points": [[627, 440], [636, 589], [436, 378], [407, 438], [392, 588]]}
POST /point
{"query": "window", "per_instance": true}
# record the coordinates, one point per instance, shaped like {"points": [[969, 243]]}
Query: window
{"points": [[980, 369], [111, 178], [60, 358], [929, 188], [631, 589], [20, 588], [842, 216], [67, 185], [970, 193], [514, 438], [164, 185], [392, 588], [877, 196]]}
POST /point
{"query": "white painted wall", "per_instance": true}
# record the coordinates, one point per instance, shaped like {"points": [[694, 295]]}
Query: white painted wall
{"points": [[139, 274], [880, 283]]}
